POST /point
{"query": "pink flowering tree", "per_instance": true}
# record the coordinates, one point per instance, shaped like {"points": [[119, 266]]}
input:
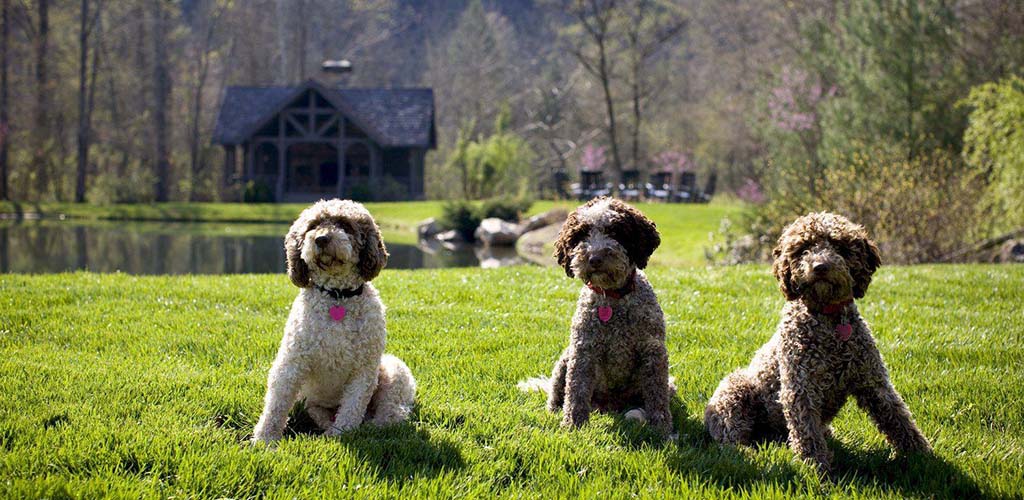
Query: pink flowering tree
{"points": [[751, 192], [793, 104], [673, 161], [592, 159], [793, 107]]}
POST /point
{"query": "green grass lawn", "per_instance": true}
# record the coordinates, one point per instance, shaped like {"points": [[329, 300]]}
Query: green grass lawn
{"points": [[124, 386], [685, 228]]}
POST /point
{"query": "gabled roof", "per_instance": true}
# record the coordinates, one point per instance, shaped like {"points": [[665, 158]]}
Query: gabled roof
{"points": [[391, 117]]}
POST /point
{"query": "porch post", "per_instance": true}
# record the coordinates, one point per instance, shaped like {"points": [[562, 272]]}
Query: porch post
{"points": [[250, 151], [374, 168], [230, 170], [341, 169], [411, 160], [281, 158]]}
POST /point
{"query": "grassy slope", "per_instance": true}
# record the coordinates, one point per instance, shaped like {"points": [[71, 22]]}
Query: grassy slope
{"points": [[148, 386], [684, 228]]}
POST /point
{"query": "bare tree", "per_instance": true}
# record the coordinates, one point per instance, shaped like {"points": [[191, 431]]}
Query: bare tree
{"points": [[42, 117], [5, 123], [201, 56], [161, 98], [592, 49], [85, 97], [651, 24]]}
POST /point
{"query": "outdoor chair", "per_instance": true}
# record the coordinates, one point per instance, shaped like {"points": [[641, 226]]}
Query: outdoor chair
{"points": [[629, 189], [660, 186], [709, 189], [686, 189]]}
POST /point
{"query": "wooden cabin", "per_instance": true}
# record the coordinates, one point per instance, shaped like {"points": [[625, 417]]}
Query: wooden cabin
{"points": [[303, 143]]}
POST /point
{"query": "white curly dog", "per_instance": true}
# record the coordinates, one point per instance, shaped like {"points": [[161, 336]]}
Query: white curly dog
{"points": [[332, 353]]}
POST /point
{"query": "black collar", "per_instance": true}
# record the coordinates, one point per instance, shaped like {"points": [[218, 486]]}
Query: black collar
{"points": [[619, 293], [341, 293]]}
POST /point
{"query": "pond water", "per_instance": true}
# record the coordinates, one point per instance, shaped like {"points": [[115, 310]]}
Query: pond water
{"points": [[53, 246]]}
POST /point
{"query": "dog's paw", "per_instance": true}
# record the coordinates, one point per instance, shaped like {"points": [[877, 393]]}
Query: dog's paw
{"points": [[573, 422], [262, 439]]}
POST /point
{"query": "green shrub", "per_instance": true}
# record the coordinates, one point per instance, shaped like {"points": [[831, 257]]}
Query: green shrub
{"points": [[257, 192], [361, 191], [505, 208], [917, 210], [994, 146], [489, 166], [136, 186], [462, 216]]}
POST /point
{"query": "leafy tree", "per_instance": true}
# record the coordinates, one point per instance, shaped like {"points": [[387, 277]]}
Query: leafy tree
{"points": [[896, 80], [496, 165], [994, 145]]}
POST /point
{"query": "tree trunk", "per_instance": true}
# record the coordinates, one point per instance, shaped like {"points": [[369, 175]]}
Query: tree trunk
{"points": [[42, 120], [83, 121], [162, 92], [5, 127], [203, 58], [635, 87], [610, 109]]}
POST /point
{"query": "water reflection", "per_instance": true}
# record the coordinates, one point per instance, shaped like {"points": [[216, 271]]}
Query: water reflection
{"points": [[186, 248]]}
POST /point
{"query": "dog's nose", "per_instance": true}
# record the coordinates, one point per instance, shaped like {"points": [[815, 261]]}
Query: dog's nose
{"points": [[595, 260], [322, 241], [821, 268]]}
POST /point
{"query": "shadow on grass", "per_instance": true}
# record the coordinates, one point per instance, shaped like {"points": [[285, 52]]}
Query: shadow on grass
{"points": [[699, 456], [923, 475], [920, 475], [400, 452]]}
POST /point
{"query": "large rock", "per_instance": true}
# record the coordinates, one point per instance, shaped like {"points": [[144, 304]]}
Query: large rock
{"points": [[450, 236], [553, 216], [428, 228], [496, 232], [1012, 252], [538, 245]]}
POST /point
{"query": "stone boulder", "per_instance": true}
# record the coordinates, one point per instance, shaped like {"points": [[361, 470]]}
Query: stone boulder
{"points": [[553, 216], [496, 232], [428, 228], [1012, 252], [537, 245], [450, 236]]}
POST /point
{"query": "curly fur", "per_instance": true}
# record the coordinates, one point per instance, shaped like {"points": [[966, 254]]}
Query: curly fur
{"points": [[621, 364], [799, 380], [337, 367]]}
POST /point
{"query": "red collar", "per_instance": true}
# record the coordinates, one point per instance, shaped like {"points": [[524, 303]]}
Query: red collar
{"points": [[836, 308], [617, 293]]}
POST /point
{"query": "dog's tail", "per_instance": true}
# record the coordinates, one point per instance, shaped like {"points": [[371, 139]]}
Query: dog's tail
{"points": [[395, 396], [535, 384]]}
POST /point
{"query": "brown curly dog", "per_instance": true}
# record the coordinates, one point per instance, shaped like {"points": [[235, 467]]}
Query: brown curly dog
{"points": [[821, 353], [616, 359]]}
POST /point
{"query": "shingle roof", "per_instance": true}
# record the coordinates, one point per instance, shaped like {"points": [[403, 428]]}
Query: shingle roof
{"points": [[392, 117]]}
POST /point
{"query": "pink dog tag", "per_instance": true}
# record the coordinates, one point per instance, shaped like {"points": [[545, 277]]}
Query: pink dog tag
{"points": [[843, 331], [337, 313], [604, 313]]}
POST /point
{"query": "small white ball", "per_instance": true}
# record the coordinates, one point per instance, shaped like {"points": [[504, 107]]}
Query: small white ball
{"points": [[636, 414]]}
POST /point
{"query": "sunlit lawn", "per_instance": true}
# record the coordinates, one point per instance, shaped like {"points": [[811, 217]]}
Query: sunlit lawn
{"points": [[113, 385]]}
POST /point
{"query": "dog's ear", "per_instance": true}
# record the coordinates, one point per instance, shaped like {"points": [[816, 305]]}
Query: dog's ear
{"points": [[298, 271], [573, 230], [783, 271], [863, 263], [635, 232], [373, 256]]}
